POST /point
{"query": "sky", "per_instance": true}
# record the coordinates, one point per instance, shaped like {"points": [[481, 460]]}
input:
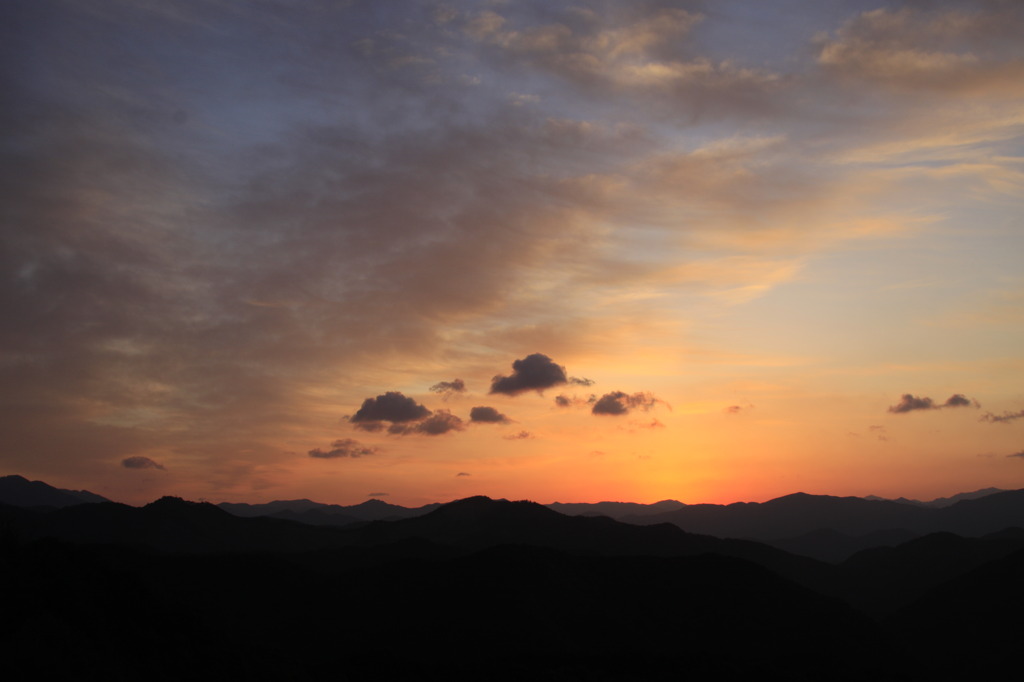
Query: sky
{"points": [[559, 251]]}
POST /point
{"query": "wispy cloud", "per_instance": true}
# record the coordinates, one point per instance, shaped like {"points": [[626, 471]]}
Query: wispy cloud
{"points": [[912, 403], [140, 462], [1004, 418], [619, 403], [345, 447]]}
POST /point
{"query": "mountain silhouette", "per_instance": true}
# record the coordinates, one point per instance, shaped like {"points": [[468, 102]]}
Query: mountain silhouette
{"points": [[500, 590], [20, 492], [615, 510], [320, 514], [796, 515]]}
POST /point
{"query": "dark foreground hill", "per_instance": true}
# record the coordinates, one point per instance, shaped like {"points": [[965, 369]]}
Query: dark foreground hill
{"points": [[507, 613], [478, 588]]}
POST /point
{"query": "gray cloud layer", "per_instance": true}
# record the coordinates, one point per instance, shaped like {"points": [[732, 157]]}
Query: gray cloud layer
{"points": [[208, 208]]}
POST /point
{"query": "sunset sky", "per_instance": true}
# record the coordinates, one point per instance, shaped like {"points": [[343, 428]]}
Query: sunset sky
{"points": [[710, 251]]}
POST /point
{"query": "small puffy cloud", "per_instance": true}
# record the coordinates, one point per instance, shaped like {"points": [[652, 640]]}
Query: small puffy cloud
{"points": [[911, 403], [389, 407], [958, 400], [619, 403], [563, 400], [462, 473], [487, 415], [1004, 418], [140, 462], [438, 423], [522, 435], [737, 409], [345, 447], [535, 372], [581, 381], [448, 388]]}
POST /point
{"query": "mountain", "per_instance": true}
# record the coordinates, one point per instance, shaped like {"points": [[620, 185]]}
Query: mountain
{"points": [[834, 547], [494, 589], [319, 514], [20, 492], [968, 625], [505, 613], [799, 514], [882, 580], [615, 510], [316, 513], [469, 525], [943, 501], [169, 524]]}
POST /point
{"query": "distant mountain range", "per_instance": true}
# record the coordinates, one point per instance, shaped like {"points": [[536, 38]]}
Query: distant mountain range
{"points": [[21, 492], [505, 590], [819, 526]]}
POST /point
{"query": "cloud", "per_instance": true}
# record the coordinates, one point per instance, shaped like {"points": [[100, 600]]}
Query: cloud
{"points": [[487, 415], [376, 494], [139, 462], [1017, 454], [389, 407], [345, 447], [1005, 418], [522, 435], [736, 409], [438, 423], [958, 400], [937, 48], [462, 473], [378, 236], [563, 400], [535, 372], [911, 403], [619, 403], [448, 388], [405, 415], [581, 381]]}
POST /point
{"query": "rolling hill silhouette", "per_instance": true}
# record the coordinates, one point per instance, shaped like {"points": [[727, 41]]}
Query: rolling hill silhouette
{"points": [[796, 515], [20, 492], [520, 590]]}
